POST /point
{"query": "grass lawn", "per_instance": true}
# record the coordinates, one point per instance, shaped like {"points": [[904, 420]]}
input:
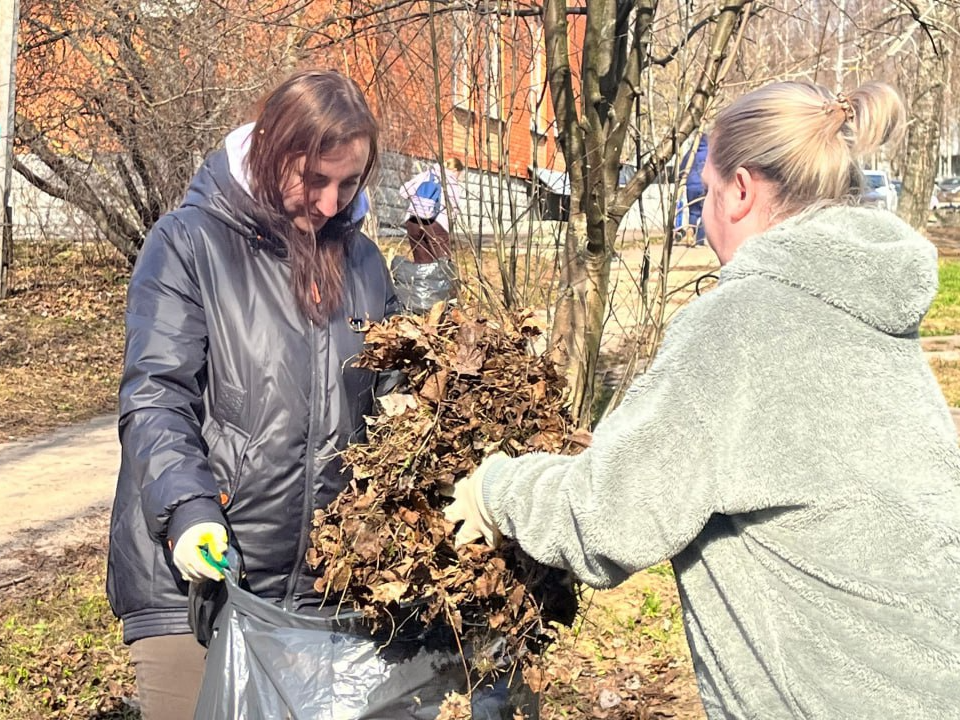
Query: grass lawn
{"points": [[942, 320], [944, 315]]}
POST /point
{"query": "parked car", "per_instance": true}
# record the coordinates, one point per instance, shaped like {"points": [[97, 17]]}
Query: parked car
{"points": [[948, 193], [878, 191]]}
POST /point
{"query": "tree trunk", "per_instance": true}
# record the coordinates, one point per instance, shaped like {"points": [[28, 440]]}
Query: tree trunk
{"points": [[591, 132], [580, 309], [923, 137]]}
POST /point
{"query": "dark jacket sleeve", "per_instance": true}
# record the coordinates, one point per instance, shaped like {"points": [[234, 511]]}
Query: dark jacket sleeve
{"points": [[389, 381], [161, 407]]}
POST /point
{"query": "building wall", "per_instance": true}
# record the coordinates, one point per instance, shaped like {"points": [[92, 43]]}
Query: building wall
{"points": [[497, 205], [491, 205], [489, 202], [37, 215]]}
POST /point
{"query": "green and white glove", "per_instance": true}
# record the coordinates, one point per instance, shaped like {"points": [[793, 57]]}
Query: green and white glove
{"points": [[468, 507], [188, 558]]}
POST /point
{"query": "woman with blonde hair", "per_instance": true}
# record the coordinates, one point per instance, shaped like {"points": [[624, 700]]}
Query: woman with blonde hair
{"points": [[807, 485]]}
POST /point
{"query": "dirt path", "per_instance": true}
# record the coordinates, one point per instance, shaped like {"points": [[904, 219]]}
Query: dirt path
{"points": [[55, 490]]}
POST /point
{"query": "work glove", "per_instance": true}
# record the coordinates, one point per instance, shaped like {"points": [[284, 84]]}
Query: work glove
{"points": [[468, 507], [188, 558]]}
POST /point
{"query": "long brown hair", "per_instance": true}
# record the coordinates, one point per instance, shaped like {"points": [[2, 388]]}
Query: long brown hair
{"points": [[309, 114]]}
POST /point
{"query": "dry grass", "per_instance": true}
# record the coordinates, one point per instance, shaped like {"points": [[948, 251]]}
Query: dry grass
{"points": [[61, 655], [61, 337], [947, 373]]}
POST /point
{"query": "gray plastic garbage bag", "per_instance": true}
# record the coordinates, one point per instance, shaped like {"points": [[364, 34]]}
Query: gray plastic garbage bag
{"points": [[266, 663], [421, 285]]}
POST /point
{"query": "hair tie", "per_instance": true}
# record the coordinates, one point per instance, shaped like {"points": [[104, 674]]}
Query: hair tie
{"points": [[844, 102]]}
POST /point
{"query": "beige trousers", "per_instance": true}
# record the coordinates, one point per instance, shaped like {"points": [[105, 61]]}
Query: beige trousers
{"points": [[169, 672]]}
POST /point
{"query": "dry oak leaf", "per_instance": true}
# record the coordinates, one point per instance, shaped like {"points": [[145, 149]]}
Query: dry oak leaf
{"points": [[390, 591], [397, 404]]}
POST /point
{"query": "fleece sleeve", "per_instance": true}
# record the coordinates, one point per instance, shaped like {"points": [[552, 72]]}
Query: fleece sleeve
{"points": [[640, 494], [161, 406]]}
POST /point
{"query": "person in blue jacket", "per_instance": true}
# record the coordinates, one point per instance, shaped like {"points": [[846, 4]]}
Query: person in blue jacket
{"points": [[690, 205]]}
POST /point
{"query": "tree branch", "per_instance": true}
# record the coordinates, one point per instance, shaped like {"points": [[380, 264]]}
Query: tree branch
{"points": [[692, 115]]}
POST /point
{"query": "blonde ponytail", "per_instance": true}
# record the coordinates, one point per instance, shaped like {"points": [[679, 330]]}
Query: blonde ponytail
{"points": [[879, 117], [805, 139]]}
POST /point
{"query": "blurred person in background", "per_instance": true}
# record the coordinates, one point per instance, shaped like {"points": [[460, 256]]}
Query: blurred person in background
{"points": [[689, 222], [432, 208]]}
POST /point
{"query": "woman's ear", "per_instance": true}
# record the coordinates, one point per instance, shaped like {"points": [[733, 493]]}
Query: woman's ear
{"points": [[744, 194]]}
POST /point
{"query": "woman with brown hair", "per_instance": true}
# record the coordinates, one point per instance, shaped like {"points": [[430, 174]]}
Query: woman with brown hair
{"points": [[244, 310]]}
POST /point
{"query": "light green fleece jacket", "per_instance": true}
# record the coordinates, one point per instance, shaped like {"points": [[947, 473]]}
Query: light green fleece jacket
{"points": [[791, 451]]}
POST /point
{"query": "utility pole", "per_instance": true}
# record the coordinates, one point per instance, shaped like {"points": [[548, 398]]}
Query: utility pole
{"points": [[9, 20]]}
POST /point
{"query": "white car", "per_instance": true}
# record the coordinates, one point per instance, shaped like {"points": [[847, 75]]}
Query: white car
{"points": [[878, 191]]}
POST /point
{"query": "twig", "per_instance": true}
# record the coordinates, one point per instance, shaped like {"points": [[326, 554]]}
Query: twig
{"points": [[14, 581]]}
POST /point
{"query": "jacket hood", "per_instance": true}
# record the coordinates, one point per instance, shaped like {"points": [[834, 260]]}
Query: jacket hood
{"points": [[217, 193], [866, 262]]}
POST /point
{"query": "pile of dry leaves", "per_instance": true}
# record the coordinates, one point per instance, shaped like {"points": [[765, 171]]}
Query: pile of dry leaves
{"points": [[383, 547]]}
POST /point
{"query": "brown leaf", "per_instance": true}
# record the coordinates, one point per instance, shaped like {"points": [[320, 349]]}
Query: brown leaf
{"points": [[436, 313], [397, 403], [337, 577], [455, 706], [535, 678], [410, 517], [434, 387], [580, 437], [390, 591], [367, 545]]}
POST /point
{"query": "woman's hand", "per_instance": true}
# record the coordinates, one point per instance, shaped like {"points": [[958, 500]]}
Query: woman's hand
{"points": [[187, 554], [468, 508]]}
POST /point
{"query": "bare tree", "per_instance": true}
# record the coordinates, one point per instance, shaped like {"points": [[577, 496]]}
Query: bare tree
{"points": [[124, 102], [618, 45], [844, 43], [921, 54], [119, 101]]}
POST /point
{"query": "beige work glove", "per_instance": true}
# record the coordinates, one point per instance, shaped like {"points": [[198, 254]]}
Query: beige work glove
{"points": [[186, 553], [467, 507]]}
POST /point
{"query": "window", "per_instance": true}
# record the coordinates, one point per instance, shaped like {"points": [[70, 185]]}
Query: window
{"points": [[476, 65]]}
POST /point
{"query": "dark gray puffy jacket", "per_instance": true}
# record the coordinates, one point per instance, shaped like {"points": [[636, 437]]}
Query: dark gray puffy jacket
{"points": [[233, 406]]}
